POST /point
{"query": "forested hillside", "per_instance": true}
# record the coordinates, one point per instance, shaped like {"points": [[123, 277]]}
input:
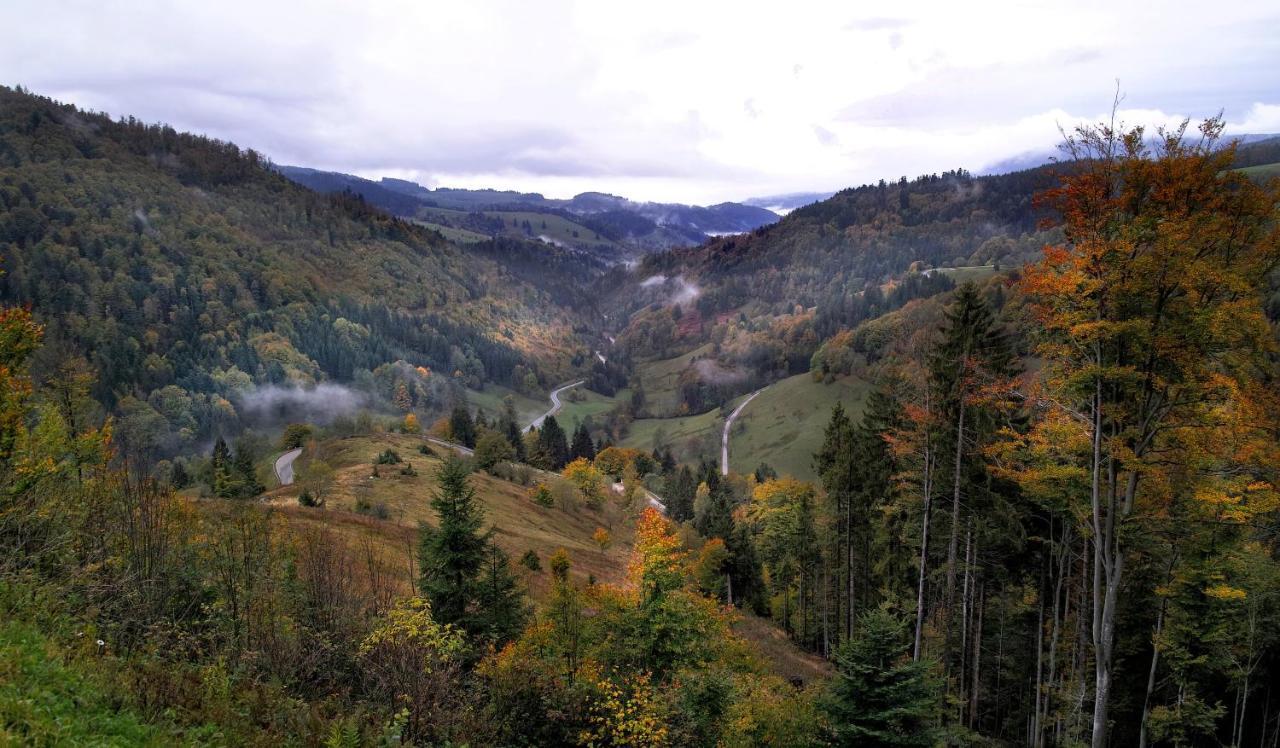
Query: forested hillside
{"points": [[185, 273]]}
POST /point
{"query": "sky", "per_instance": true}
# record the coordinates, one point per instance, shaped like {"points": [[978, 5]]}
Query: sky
{"points": [[685, 101]]}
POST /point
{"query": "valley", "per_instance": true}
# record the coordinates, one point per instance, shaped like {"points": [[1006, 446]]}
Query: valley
{"points": [[291, 454]]}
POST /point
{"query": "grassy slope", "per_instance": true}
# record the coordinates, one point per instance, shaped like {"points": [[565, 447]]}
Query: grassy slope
{"points": [[490, 401], [587, 403], [519, 523], [660, 380], [688, 437], [784, 425], [46, 700], [1263, 172]]}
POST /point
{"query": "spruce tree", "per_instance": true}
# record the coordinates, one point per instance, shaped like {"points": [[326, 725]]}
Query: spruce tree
{"points": [[582, 445], [879, 696], [246, 480], [553, 445], [452, 553], [462, 427], [220, 479], [510, 428], [501, 611]]}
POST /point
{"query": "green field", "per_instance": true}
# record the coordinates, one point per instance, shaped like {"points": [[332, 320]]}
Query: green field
{"points": [[458, 236], [490, 401], [784, 425], [1263, 172], [590, 404], [689, 437], [660, 380], [968, 273]]}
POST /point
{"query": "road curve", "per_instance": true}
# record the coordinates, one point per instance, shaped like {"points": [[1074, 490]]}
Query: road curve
{"points": [[556, 405], [728, 424], [284, 466]]}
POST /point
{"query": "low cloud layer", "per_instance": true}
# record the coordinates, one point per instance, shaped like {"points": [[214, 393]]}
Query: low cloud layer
{"points": [[656, 101], [274, 404]]}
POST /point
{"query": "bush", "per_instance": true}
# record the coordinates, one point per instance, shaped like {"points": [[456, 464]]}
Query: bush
{"points": [[425, 449], [531, 561], [542, 495], [375, 509], [295, 435], [408, 469], [388, 457], [307, 499]]}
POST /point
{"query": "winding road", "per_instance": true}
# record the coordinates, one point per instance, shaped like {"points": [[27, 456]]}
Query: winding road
{"points": [[556, 405], [728, 424], [284, 466]]}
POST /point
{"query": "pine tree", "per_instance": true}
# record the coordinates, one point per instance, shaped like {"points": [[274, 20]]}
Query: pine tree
{"points": [[501, 611], [553, 445], [462, 427], [582, 445], [879, 696], [452, 553], [221, 480], [510, 428], [246, 475]]}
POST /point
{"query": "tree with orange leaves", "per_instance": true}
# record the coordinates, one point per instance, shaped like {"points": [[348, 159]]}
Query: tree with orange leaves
{"points": [[1151, 328]]}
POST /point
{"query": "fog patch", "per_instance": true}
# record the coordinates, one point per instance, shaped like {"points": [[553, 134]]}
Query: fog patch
{"points": [[709, 370], [653, 280], [275, 404]]}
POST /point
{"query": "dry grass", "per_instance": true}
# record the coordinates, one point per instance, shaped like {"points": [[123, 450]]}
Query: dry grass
{"points": [[518, 523]]}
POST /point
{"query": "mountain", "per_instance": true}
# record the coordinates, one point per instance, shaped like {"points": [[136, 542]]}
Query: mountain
{"points": [[598, 220], [189, 276]]}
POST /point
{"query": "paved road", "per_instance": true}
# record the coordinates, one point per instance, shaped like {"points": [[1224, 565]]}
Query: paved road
{"points": [[464, 451], [728, 424], [556, 405], [284, 466]]}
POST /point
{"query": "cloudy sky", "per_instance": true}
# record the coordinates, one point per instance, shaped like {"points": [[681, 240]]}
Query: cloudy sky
{"points": [[689, 101]]}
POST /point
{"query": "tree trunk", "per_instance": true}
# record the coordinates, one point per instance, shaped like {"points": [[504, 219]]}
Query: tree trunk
{"points": [[977, 657], [924, 554]]}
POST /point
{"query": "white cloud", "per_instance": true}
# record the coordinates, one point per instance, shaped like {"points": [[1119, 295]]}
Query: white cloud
{"points": [[662, 100]]}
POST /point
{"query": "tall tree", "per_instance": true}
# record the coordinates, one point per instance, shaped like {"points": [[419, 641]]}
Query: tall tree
{"points": [[1152, 324], [451, 554], [553, 445]]}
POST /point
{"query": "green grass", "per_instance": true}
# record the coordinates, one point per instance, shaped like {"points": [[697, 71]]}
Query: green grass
{"points": [[557, 229], [784, 425], [591, 404], [689, 437], [1262, 172], [660, 380], [968, 273], [490, 401], [45, 700], [458, 236]]}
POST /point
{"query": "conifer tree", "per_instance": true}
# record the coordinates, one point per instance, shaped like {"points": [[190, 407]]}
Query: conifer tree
{"points": [[553, 445], [501, 611], [462, 427], [582, 445], [452, 553], [880, 697]]}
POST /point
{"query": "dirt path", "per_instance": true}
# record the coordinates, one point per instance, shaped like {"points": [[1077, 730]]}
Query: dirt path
{"points": [[728, 424]]}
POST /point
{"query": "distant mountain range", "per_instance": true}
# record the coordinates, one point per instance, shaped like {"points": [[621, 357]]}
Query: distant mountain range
{"points": [[591, 220]]}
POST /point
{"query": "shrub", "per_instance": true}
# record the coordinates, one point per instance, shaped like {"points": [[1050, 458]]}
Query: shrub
{"points": [[408, 469], [531, 561], [425, 449], [542, 495], [306, 498], [388, 457]]}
